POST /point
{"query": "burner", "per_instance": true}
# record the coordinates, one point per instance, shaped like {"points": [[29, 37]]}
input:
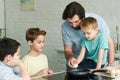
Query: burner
{"points": [[86, 77]]}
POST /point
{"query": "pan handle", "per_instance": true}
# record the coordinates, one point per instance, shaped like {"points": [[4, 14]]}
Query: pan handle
{"points": [[94, 71]]}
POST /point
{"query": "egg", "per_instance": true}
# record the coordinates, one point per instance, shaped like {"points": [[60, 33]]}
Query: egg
{"points": [[75, 65]]}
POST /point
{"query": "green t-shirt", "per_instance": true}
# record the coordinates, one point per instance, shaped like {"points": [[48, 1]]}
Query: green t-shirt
{"points": [[93, 46]]}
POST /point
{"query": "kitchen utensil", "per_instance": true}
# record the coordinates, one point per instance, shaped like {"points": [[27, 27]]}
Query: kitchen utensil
{"points": [[83, 72], [48, 74]]}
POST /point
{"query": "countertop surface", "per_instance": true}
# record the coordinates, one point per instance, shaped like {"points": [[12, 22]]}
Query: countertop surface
{"points": [[64, 76]]}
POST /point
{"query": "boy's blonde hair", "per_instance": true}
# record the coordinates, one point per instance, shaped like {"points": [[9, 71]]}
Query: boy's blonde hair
{"points": [[89, 23], [33, 33]]}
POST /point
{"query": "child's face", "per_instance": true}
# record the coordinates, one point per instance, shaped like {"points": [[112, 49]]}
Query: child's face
{"points": [[90, 34], [38, 43]]}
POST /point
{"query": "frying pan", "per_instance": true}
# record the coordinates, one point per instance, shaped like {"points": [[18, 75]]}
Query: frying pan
{"points": [[83, 72]]}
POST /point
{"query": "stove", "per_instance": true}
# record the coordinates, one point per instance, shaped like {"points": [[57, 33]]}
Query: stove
{"points": [[87, 77], [65, 76]]}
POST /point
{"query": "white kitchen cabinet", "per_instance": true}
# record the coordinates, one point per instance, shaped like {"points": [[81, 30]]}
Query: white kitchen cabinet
{"points": [[61, 60]]}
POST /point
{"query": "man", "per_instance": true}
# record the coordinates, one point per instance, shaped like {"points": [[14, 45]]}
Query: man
{"points": [[72, 34]]}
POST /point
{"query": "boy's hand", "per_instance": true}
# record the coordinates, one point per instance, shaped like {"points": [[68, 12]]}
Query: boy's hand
{"points": [[50, 71], [45, 73]]}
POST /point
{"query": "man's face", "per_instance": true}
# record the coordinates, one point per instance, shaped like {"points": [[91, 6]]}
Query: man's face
{"points": [[74, 22]]}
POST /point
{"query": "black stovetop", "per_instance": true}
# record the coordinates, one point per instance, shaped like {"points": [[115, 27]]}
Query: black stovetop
{"points": [[65, 76]]}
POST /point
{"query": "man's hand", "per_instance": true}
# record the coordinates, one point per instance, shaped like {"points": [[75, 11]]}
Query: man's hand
{"points": [[72, 61]]}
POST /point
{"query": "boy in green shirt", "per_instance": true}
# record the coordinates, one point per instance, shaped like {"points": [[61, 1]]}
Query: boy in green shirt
{"points": [[94, 46]]}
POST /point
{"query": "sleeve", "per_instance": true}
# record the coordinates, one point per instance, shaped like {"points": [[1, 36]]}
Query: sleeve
{"points": [[26, 64], [7, 74], [65, 35], [24, 60], [46, 62], [103, 42], [16, 70], [12, 77], [102, 26], [83, 43]]}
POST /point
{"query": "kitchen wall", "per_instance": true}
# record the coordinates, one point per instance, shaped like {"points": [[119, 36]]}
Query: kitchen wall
{"points": [[48, 16], [2, 19]]}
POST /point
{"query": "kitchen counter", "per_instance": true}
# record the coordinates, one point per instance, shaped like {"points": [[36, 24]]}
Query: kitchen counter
{"points": [[64, 76]]}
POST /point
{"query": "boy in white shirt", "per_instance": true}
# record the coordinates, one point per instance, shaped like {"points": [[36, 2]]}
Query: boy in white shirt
{"points": [[9, 58]]}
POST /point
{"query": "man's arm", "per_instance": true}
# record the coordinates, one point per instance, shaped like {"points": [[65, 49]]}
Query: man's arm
{"points": [[68, 52], [110, 51], [69, 55]]}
